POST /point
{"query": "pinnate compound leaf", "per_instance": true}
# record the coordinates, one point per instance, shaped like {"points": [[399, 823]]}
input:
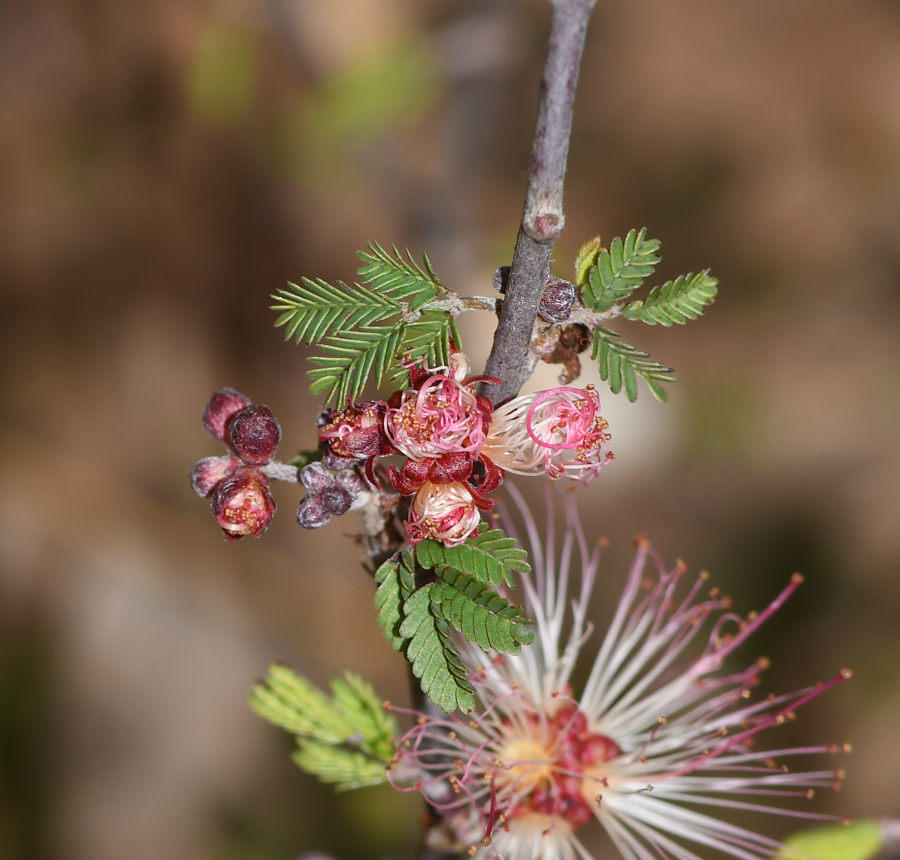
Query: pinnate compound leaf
{"points": [[619, 271], [675, 301], [350, 359], [484, 617], [435, 660], [399, 278], [859, 840], [346, 768], [315, 309], [427, 339], [396, 583], [620, 364], [492, 557], [374, 728]]}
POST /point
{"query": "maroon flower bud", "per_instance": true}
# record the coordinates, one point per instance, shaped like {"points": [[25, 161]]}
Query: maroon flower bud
{"points": [[336, 500], [315, 478], [356, 432], [242, 504], [254, 434], [223, 405], [501, 279], [210, 471], [556, 300], [311, 514]]}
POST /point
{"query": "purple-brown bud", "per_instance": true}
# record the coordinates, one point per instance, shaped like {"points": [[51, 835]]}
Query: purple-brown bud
{"points": [[254, 434], [500, 281], [242, 504], [329, 494], [221, 408], [556, 301], [210, 471]]}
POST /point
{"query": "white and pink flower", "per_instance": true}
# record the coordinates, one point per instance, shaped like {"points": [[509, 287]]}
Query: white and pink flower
{"points": [[641, 741], [448, 513]]}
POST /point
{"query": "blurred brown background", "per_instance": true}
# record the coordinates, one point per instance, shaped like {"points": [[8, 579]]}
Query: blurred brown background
{"points": [[166, 164]]}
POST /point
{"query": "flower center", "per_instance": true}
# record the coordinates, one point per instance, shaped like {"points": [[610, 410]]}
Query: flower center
{"points": [[555, 770]]}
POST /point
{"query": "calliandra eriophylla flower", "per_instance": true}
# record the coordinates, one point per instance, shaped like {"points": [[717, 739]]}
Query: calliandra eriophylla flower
{"points": [[654, 738]]}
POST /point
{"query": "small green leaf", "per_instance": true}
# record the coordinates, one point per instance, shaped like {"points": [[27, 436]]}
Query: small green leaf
{"points": [[586, 259], [304, 458], [860, 840], [345, 768], [675, 301], [619, 362], [484, 617], [435, 660], [396, 583], [374, 728], [619, 271], [492, 557], [400, 278]]}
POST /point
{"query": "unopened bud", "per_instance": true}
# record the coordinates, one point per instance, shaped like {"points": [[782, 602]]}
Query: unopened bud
{"points": [[336, 500], [556, 301], [501, 279], [210, 471], [312, 514], [242, 504], [254, 434], [221, 408]]}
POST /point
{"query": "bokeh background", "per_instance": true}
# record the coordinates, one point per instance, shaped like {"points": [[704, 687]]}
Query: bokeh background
{"points": [[167, 164]]}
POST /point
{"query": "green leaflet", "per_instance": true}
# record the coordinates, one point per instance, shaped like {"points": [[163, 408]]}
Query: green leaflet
{"points": [[399, 277], [586, 259], [350, 359], [435, 660], [396, 583], [345, 738], [316, 309], [619, 363], [619, 271], [675, 301], [492, 557], [346, 768], [427, 339], [860, 840], [484, 617]]}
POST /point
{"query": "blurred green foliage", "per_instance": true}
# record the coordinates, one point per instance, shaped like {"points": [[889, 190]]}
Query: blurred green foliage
{"points": [[222, 74], [857, 841]]}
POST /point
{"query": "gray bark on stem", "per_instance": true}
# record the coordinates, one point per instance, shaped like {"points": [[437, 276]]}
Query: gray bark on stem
{"points": [[542, 219]]}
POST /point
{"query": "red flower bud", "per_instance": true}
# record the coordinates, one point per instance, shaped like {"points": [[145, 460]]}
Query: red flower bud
{"points": [[242, 504], [219, 411], [210, 471], [254, 434], [556, 300]]}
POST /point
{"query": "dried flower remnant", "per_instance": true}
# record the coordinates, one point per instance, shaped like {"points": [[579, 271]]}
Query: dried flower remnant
{"points": [[643, 739]]}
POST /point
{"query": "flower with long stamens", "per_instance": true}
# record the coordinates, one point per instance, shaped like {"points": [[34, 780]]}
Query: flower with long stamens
{"points": [[441, 416], [560, 432], [443, 512], [653, 734]]}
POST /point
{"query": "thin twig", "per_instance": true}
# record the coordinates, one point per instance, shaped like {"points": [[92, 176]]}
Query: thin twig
{"points": [[511, 357]]}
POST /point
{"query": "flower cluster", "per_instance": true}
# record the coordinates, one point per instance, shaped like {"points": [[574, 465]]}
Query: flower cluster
{"points": [[237, 484], [458, 445], [651, 731]]}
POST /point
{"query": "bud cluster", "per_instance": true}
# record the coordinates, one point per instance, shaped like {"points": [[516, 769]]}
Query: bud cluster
{"points": [[237, 484]]}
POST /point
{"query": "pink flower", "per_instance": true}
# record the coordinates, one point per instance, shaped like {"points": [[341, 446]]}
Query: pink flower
{"points": [[560, 432], [443, 512], [441, 416]]}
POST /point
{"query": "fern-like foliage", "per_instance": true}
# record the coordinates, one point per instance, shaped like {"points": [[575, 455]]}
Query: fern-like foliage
{"points": [[620, 364], [345, 768], [345, 738], [435, 660], [400, 278], [312, 310], [492, 557], [396, 583], [675, 301], [484, 617], [350, 359], [620, 270], [427, 339]]}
